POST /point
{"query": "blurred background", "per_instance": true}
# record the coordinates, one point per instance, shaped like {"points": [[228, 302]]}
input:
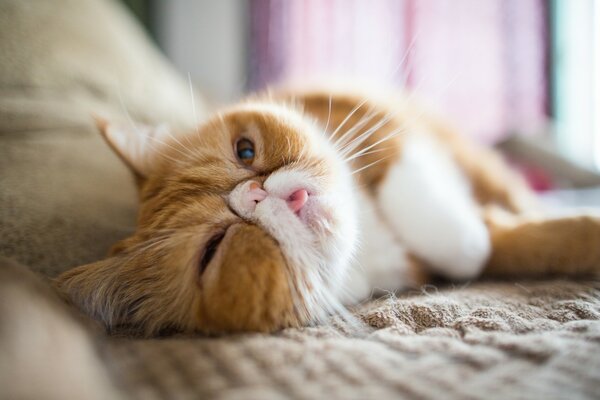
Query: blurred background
{"points": [[498, 69]]}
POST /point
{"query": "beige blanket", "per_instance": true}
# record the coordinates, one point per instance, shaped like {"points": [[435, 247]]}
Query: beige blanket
{"points": [[485, 341], [530, 340]]}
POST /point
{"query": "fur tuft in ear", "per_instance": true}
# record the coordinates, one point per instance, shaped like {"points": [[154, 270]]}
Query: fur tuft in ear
{"points": [[93, 289], [137, 145], [125, 293]]}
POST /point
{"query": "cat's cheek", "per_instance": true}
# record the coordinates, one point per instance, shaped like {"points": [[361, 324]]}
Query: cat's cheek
{"points": [[245, 288]]}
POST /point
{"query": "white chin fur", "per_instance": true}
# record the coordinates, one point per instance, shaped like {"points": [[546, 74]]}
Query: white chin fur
{"points": [[318, 247]]}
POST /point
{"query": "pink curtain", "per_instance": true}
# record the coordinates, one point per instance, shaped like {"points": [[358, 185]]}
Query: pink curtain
{"points": [[482, 63]]}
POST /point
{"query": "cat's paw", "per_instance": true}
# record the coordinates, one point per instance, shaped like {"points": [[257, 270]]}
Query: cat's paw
{"points": [[244, 198], [428, 202]]}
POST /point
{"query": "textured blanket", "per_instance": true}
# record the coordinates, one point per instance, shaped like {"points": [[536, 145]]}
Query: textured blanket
{"points": [[488, 340]]}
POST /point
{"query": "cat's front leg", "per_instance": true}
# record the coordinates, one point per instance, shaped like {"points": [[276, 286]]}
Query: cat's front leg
{"points": [[382, 264], [427, 201]]}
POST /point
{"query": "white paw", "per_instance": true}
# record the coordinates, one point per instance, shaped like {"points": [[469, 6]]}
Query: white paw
{"points": [[429, 204], [244, 198]]}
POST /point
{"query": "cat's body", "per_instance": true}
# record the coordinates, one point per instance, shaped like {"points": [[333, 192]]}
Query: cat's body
{"points": [[280, 210], [422, 193]]}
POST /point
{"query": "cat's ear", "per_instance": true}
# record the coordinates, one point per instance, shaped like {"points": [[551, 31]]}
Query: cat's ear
{"points": [[123, 293], [93, 289], [137, 145]]}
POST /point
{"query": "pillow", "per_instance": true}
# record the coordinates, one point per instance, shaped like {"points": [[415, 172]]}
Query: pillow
{"points": [[47, 352], [64, 197]]}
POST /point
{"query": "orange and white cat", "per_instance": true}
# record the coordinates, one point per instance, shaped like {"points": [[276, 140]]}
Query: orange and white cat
{"points": [[282, 209]]}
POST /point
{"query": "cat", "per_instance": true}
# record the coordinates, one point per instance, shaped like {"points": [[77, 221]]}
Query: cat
{"points": [[285, 208]]}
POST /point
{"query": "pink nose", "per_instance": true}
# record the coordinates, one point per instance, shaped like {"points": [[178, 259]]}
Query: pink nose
{"points": [[297, 200]]}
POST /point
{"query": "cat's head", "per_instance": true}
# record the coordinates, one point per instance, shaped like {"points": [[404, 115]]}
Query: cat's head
{"points": [[245, 224]]}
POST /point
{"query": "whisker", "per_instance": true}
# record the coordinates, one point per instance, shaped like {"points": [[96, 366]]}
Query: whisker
{"points": [[361, 153], [167, 235], [172, 136], [348, 147], [328, 113], [185, 155], [131, 121], [193, 103], [408, 50], [369, 165], [394, 133], [354, 110], [139, 130], [173, 160], [361, 123]]}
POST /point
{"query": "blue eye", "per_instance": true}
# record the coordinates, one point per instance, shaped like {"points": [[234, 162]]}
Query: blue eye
{"points": [[245, 154], [244, 149]]}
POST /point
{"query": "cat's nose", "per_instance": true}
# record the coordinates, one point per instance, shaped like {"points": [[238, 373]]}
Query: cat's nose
{"points": [[297, 200], [256, 193]]}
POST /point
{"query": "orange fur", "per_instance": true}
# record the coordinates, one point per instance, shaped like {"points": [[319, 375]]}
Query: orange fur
{"points": [[533, 246]]}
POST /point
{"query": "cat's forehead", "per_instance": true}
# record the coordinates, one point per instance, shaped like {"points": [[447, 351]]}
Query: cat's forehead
{"points": [[281, 112]]}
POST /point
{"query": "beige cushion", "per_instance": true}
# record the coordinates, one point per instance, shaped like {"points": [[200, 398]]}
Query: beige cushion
{"points": [[64, 198], [46, 352]]}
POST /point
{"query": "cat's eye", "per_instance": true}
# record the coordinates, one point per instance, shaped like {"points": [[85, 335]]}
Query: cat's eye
{"points": [[209, 252], [244, 149]]}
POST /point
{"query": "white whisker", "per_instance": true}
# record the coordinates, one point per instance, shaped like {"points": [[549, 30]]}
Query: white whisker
{"points": [[394, 133], [354, 110], [328, 113], [185, 155], [131, 121], [369, 165], [196, 122], [361, 123], [347, 148], [408, 50], [361, 153]]}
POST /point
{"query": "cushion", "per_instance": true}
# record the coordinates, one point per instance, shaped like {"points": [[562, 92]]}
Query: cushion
{"points": [[47, 353], [64, 198]]}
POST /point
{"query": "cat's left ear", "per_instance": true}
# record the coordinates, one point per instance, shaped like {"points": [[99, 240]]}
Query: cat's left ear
{"points": [[137, 145], [96, 289]]}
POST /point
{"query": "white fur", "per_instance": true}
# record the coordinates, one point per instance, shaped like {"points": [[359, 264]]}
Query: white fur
{"points": [[428, 201], [382, 261], [285, 182], [318, 246]]}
